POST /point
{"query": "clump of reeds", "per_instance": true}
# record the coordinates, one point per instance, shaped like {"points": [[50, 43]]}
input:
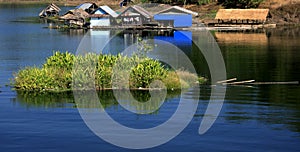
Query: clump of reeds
{"points": [[105, 71]]}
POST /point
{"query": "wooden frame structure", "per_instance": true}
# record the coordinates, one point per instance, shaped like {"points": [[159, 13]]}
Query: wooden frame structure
{"points": [[242, 16]]}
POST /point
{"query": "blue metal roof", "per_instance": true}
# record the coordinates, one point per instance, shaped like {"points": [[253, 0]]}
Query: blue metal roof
{"points": [[108, 10]]}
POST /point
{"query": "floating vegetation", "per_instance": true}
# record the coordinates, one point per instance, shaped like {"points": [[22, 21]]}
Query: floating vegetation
{"points": [[28, 20], [105, 71]]}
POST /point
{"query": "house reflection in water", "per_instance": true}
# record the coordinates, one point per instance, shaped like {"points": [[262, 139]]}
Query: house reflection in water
{"points": [[106, 41], [181, 39], [171, 48], [98, 40], [114, 42]]}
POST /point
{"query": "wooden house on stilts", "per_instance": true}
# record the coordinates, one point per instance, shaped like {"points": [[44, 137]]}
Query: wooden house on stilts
{"points": [[50, 10], [175, 16], [76, 17], [104, 16], [135, 16]]}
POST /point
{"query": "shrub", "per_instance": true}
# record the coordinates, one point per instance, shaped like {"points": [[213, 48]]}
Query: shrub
{"points": [[145, 72], [84, 70], [36, 79], [60, 60]]}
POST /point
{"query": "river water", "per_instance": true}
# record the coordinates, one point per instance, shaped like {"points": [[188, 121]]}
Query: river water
{"points": [[253, 117]]}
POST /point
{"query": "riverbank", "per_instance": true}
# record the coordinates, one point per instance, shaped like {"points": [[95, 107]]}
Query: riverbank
{"points": [[282, 12]]}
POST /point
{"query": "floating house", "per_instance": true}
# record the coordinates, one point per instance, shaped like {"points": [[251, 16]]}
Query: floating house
{"points": [[135, 16], [88, 7], [175, 16], [242, 16], [50, 10], [103, 16], [77, 17]]}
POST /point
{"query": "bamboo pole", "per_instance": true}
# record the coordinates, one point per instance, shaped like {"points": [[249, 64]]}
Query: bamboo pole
{"points": [[224, 81], [239, 82], [289, 82]]}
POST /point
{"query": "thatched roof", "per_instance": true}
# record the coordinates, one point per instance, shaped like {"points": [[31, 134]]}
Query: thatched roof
{"points": [[242, 14], [75, 14], [50, 8]]}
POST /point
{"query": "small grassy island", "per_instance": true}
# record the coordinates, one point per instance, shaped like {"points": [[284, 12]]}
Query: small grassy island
{"points": [[57, 73]]}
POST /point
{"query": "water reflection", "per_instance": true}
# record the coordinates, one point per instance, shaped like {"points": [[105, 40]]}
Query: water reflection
{"points": [[236, 38], [270, 105], [45, 99], [106, 98], [274, 58]]}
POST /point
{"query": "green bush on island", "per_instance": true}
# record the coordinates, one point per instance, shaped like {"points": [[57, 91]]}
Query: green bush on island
{"points": [[57, 73]]}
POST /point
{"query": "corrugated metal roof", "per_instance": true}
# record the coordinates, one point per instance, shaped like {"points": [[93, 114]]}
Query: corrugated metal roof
{"points": [[142, 11], [84, 6], [55, 7], [154, 8], [109, 11], [139, 9], [180, 9]]}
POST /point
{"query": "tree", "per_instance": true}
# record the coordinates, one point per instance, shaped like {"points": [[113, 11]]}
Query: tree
{"points": [[240, 3]]}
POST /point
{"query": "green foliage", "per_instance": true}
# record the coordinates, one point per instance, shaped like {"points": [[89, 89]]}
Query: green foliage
{"points": [[203, 2], [241, 3], [145, 72], [104, 71], [84, 70], [97, 71], [60, 60], [144, 1], [36, 79]]}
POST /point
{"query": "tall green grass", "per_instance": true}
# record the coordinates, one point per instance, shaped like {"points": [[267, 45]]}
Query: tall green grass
{"points": [[57, 73]]}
